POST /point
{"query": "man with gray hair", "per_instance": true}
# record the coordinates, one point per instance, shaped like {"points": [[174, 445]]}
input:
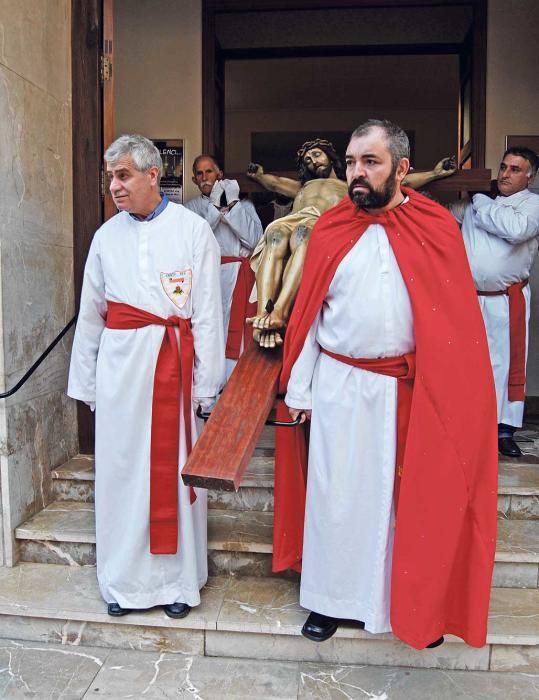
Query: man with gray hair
{"points": [[148, 344], [501, 239], [237, 229], [385, 353]]}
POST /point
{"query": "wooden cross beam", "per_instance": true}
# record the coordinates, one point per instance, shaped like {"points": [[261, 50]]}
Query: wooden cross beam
{"points": [[222, 453], [471, 180]]}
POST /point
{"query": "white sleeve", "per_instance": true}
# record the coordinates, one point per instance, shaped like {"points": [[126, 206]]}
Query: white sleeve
{"points": [[245, 224], [299, 389], [458, 208], [213, 216], [515, 224], [210, 213], [90, 325], [207, 315]]}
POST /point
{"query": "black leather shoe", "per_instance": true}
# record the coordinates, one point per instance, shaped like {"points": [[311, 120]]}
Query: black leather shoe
{"points": [[435, 644], [319, 627], [177, 610], [116, 611], [508, 447]]}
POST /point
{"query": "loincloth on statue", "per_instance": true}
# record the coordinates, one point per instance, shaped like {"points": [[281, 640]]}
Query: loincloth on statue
{"points": [[307, 216]]}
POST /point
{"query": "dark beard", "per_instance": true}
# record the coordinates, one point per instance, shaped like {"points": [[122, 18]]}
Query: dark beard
{"points": [[318, 174], [373, 198]]}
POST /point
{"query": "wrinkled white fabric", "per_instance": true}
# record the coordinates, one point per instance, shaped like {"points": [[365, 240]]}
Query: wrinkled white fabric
{"points": [[115, 369], [347, 553], [500, 236], [237, 232]]}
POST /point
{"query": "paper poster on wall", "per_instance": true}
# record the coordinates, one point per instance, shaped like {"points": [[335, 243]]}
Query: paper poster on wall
{"points": [[171, 151]]}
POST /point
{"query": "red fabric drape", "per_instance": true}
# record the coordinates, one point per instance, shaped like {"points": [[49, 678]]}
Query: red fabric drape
{"points": [[240, 308], [445, 531], [517, 338], [172, 380]]}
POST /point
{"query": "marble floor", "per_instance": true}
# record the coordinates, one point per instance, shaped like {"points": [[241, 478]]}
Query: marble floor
{"points": [[34, 670]]}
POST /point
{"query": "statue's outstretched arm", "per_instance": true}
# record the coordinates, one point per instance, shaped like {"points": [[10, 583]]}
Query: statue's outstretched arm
{"points": [[274, 183], [444, 168]]}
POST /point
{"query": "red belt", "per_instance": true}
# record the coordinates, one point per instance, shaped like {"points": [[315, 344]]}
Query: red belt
{"points": [[402, 368], [240, 308], [173, 378], [517, 338]]}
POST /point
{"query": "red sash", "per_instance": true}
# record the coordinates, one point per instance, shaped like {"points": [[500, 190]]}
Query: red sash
{"points": [[403, 369], [517, 338], [172, 379], [240, 308]]}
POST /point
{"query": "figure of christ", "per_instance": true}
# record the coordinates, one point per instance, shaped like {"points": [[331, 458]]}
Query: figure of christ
{"points": [[279, 255]]}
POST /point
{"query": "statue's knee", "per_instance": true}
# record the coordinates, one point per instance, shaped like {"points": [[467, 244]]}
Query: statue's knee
{"points": [[276, 238], [301, 235]]}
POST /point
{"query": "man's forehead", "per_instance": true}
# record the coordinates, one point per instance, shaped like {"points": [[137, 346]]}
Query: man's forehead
{"points": [[512, 160], [373, 142], [123, 163], [206, 164]]}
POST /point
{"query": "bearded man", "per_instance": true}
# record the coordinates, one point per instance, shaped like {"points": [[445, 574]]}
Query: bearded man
{"points": [[279, 256], [386, 354]]}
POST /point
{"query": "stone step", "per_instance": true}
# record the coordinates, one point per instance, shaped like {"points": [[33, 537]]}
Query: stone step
{"points": [[87, 671], [74, 481], [243, 617], [240, 542], [518, 487]]}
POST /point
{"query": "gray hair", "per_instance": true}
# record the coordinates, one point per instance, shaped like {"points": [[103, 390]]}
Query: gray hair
{"points": [[396, 139], [140, 149]]}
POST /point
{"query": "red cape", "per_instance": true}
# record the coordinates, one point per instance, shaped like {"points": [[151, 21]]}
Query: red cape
{"points": [[445, 535]]}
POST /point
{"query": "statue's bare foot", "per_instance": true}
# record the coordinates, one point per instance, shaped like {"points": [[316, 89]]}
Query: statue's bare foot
{"points": [[270, 339], [267, 321]]}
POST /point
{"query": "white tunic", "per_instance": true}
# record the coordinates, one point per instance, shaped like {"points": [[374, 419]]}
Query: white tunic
{"points": [[115, 369], [237, 232], [500, 236], [348, 542]]}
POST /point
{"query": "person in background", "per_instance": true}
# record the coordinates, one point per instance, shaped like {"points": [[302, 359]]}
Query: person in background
{"points": [[237, 229], [500, 236]]}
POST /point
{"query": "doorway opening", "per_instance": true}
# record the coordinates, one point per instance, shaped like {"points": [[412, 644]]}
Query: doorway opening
{"points": [[272, 74]]}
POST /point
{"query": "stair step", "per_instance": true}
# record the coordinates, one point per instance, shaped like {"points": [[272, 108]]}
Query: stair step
{"points": [[245, 617], [74, 481], [64, 532], [518, 488], [73, 521], [517, 541], [516, 477]]}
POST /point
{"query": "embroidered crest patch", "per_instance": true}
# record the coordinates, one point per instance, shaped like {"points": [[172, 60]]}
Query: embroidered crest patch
{"points": [[177, 286]]}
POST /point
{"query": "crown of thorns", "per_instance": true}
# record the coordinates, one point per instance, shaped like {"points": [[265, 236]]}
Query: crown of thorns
{"points": [[324, 144]]}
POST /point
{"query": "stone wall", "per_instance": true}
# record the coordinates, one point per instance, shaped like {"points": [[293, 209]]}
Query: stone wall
{"points": [[38, 424]]}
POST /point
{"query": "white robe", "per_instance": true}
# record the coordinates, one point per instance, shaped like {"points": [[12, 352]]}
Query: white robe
{"points": [[501, 242], [237, 232], [115, 369], [348, 537]]}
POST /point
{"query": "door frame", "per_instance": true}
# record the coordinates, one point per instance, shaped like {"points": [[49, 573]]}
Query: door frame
{"points": [[87, 143], [479, 54], [87, 99]]}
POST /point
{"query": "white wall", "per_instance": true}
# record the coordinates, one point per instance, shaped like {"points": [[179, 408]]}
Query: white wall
{"points": [[513, 108], [337, 94], [158, 73]]}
